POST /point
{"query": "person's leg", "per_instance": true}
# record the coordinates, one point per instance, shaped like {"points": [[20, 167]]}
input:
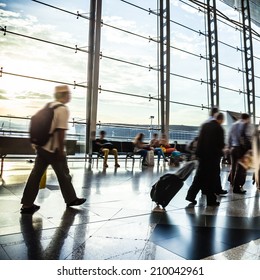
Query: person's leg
{"points": [[163, 155], [32, 185], [234, 155], [239, 179], [61, 169], [219, 189], [159, 153], [105, 152], [115, 153], [197, 184], [212, 181], [143, 154]]}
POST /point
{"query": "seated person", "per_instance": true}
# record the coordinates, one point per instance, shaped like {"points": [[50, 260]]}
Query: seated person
{"points": [[140, 147], [106, 148], [156, 145], [164, 144]]}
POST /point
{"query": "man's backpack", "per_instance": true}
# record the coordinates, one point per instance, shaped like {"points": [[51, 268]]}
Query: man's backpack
{"points": [[40, 125]]}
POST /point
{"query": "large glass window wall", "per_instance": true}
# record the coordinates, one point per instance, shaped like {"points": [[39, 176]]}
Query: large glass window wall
{"points": [[44, 43]]}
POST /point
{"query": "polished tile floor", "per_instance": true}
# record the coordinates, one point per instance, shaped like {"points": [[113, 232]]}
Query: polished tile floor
{"points": [[117, 222]]}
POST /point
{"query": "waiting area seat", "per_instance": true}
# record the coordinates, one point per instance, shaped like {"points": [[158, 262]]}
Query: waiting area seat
{"points": [[125, 151]]}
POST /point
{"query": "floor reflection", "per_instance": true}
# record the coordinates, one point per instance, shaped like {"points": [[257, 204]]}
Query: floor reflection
{"points": [[31, 228]]}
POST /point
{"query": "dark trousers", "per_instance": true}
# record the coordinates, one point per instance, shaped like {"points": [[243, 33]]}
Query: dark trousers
{"points": [[207, 179], [239, 178], [60, 167], [143, 154], [235, 154]]}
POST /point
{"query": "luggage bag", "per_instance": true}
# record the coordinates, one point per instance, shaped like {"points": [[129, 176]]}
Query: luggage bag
{"points": [[169, 184], [150, 158]]}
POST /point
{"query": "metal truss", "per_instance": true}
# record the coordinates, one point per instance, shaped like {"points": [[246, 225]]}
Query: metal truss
{"points": [[213, 52], [249, 58], [165, 64]]}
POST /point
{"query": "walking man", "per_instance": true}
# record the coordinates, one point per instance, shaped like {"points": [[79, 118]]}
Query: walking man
{"points": [[52, 153]]}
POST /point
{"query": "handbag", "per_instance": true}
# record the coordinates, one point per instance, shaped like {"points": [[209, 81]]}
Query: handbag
{"points": [[150, 158], [42, 184]]}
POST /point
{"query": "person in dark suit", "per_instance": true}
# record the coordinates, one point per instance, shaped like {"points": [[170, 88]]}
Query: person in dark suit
{"points": [[209, 152]]}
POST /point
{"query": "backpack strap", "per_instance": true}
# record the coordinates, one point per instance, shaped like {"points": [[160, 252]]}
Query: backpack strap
{"points": [[52, 134]]}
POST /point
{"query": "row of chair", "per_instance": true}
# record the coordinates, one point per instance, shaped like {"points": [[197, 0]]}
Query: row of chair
{"points": [[125, 151]]}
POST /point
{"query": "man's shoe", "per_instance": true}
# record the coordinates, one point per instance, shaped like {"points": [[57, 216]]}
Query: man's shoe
{"points": [[222, 192], [29, 210], [76, 202], [158, 209], [239, 191], [214, 203], [192, 200]]}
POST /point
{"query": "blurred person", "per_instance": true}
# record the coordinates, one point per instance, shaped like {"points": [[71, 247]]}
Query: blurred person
{"points": [[164, 144], [154, 143], [141, 148], [52, 153], [212, 116], [209, 152]]}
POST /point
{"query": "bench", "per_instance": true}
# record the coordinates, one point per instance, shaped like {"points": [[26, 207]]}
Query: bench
{"points": [[20, 147], [125, 151]]}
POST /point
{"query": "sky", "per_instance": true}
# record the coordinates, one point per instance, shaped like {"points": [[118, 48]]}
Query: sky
{"points": [[18, 55]]}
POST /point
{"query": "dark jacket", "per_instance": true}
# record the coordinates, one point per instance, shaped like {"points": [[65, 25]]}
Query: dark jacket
{"points": [[211, 141]]}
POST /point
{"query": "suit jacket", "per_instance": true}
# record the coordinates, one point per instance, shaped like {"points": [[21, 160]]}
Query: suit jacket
{"points": [[211, 141]]}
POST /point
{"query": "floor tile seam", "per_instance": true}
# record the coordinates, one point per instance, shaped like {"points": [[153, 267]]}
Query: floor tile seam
{"points": [[152, 227], [104, 223], [88, 204], [214, 225], [119, 238], [108, 258], [143, 249], [5, 252], [125, 253], [22, 241], [154, 242], [151, 242], [13, 194]]}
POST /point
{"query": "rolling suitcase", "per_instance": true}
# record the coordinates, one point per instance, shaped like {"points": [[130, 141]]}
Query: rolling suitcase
{"points": [[168, 185]]}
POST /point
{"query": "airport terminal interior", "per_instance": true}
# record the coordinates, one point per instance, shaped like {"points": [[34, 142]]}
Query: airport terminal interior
{"points": [[132, 67]]}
